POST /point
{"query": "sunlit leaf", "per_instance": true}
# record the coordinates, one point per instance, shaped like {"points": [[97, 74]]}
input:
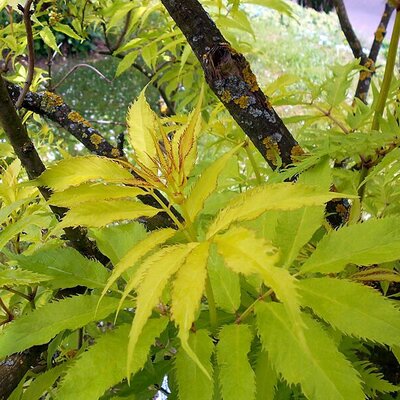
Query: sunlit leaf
{"points": [[313, 361], [236, 375]]}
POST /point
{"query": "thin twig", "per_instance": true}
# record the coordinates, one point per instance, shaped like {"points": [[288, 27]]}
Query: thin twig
{"points": [[10, 315], [74, 68], [31, 53], [329, 115], [11, 290], [124, 30], [348, 31]]}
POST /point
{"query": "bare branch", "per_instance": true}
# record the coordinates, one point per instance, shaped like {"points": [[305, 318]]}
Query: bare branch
{"points": [[348, 31], [31, 54], [365, 76], [74, 68]]}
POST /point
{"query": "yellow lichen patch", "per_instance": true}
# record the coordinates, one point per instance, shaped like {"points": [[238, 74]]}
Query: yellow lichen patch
{"points": [[380, 33], [226, 97], [50, 101], [242, 101], [96, 140], [268, 104], [296, 151], [364, 75], [250, 78], [272, 150], [115, 153], [76, 117]]}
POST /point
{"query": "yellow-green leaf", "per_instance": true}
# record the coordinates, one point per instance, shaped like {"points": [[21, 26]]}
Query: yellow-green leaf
{"points": [[192, 382], [206, 184], [142, 128], [67, 30], [92, 192], [279, 196], [186, 294], [76, 170], [47, 36], [138, 251], [236, 375], [312, 361], [371, 242], [353, 308], [151, 288], [244, 253], [101, 213]]}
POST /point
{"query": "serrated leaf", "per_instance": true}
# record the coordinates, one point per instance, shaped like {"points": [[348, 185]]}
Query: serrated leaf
{"points": [[224, 282], [186, 294], [313, 361], [45, 322], [266, 377], [376, 275], [279, 196], [184, 141], [248, 255], [65, 267], [109, 356], [76, 170], [138, 251], [92, 192], [19, 277], [373, 380], [151, 289], [235, 373], [142, 128], [353, 308], [372, 242], [103, 212], [296, 228], [192, 382], [188, 288], [43, 382], [114, 241], [48, 38], [13, 229], [206, 184]]}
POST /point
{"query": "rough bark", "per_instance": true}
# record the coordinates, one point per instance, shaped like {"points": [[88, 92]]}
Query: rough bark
{"points": [[14, 367], [229, 75], [53, 107]]}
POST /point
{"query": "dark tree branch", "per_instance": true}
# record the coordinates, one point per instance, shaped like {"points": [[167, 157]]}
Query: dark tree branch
{"points": [[31, 54], [123, 32], [30, 160], [53, 107], [348, 31], [364, 82], [229, 75], [14, 367]]}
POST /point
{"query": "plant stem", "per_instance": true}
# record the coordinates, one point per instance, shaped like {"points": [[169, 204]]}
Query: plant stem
{"points": [[387, 78], [250, 309], [212, 309]]}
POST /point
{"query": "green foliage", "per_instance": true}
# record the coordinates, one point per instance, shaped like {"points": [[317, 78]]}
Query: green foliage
{"points": [[235, 373], [52, 318], [192, 382], [248, 293]]}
